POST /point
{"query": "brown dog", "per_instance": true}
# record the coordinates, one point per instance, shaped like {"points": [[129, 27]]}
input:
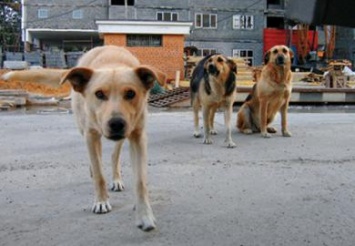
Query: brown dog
{"points": [[213, 85], [270, 95], [109, 98]]}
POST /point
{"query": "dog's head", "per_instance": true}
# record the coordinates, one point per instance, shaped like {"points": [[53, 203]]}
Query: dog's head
{"points": [[115, 99], [279, 55], [218, 64]]}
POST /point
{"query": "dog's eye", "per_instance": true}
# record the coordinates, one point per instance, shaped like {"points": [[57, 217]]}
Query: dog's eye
{"points": [[220, 59], [130, 94], [275, 51], [284, 51], [100, 95]]}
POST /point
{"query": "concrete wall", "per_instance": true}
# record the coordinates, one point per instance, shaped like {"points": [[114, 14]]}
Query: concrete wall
{"points": [[60, 13]]}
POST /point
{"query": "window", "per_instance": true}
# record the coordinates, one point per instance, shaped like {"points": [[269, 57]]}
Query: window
{"points": [[122, 2], [77, 14], [206, 21], [275, 22], [243, 22], [167, 16], [248, 55], [144, 40], [43, 13], [206, 52]]}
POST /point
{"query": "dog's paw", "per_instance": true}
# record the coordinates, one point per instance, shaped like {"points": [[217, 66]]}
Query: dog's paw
{"points": [[101, 207], [266, 135], [117, 186], [231, 145], [271, 129], [197, 134], [247, 131], [145, 219], [207, 141], [213, 132], [286, 134]]}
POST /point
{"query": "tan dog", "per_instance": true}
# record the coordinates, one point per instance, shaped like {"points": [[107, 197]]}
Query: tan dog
{"points": [[109, 98], [213, 85], [270, 95]]}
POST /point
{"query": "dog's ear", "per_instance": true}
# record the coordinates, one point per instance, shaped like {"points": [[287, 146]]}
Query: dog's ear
{"points": [[232, 65], [147, 75], [267, 57], [161, 77], [78, 78]]}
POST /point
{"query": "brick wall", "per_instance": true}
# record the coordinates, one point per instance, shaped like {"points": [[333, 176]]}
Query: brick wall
{"points": [[168, 58]]}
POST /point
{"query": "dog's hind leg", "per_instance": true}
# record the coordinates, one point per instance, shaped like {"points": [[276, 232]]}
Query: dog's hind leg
{"points": [[93, 141], [227, 121], [244, 122], [117, 184], [138, 150]]}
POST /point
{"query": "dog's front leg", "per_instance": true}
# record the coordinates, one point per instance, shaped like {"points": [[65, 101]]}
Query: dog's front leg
{"points": [[227, 121], [206, 126], [211, 120], [196, 108], [283, 112], [138, 150], [117, 184], [93, 141], [263, 118]]}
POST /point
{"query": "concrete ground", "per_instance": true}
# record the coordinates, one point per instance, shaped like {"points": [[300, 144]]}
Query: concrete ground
{"points": [[278, 191]]}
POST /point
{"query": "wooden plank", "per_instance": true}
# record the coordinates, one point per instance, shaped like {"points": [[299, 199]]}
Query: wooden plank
{"points": [[20, 93], [15, 101]]}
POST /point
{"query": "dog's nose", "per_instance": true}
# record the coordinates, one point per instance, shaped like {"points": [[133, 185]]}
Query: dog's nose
{"points": [[212, 69], [117, 127], [280, 60]]}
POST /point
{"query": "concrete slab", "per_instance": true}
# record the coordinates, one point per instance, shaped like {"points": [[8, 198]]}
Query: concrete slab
{"points": [[278, 191]]}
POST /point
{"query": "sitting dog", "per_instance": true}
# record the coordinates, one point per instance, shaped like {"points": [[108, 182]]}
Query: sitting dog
{"points": [[109, 98], [213, 85], [270, 95]]}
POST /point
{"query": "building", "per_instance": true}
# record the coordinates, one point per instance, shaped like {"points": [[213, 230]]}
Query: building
{"points": [[235, 28]]}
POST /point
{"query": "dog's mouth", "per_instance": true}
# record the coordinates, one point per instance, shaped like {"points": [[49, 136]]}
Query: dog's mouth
{"points": [[116, 136]]}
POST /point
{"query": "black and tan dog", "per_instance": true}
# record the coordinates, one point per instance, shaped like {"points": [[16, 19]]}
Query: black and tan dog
{"points": [[271, 94], [213, 85], [109, 98]]}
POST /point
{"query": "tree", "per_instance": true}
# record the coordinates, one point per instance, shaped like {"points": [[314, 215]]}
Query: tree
{"points": [[10, 25]]}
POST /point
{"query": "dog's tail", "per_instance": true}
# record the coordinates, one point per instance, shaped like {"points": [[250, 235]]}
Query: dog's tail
{"points": [[49, 77]]}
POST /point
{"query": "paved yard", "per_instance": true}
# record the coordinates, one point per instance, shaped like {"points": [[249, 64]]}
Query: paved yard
{"points": [[278, 191]]}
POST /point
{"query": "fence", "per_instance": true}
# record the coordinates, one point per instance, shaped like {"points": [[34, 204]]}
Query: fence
{"points": [[49, 59]]}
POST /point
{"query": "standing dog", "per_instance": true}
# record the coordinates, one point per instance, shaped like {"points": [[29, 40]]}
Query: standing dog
{"points": [[109, 98], [269, 95], [213, 85]]}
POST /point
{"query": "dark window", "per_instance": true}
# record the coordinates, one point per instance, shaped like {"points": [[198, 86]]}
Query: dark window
{"points": [[167, 16], [122, 2], [276, 22], [134, 40]]}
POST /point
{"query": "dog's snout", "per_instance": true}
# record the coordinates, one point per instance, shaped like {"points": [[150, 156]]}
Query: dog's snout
{"points": [[280, 60], [117, 128], [212, 69]]}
